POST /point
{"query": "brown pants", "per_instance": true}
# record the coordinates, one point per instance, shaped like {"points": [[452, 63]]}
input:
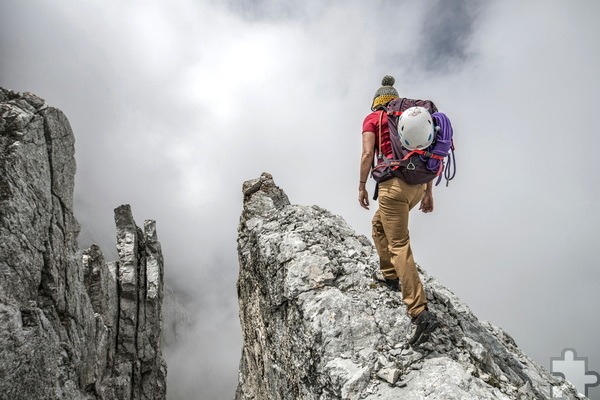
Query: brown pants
{"points": [[390, 234]]}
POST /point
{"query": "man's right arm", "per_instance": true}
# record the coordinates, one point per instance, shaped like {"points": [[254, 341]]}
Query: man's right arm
{"points": [[366, 161]]}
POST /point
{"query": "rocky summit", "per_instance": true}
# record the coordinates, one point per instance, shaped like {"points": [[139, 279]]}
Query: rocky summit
{"points": [[316, 326], [72, 326]]}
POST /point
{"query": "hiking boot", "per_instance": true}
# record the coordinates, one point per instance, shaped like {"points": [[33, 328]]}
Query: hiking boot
{"points": [[424, 323], [392, 284]]}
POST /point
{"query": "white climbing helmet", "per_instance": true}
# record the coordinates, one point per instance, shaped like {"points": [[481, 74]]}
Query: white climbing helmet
{"points": [[415, 127]]}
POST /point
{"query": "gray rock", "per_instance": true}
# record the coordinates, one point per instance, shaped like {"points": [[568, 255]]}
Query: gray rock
{"points": [[389, 375], [73, 326], [315, 325]]}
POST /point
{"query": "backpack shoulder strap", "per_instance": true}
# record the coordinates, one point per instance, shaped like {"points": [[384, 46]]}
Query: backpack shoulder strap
{"points": [[379, 128], [376, 193]]}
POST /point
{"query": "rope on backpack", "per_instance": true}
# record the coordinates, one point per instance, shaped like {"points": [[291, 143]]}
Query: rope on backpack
{"points": [[444, 147]]}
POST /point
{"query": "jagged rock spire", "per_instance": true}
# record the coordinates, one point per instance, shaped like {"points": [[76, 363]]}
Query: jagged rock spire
{"points": [[315, 325], [72, 326]]}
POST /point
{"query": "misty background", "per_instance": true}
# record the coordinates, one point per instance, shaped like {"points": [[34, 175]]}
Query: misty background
{"points": [[175, 104]]}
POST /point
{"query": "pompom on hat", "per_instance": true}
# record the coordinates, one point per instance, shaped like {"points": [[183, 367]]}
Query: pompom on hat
{"points": [[385, 93]]}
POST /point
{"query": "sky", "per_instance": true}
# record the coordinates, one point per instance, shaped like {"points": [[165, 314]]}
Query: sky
{"points": [[175, 104]]}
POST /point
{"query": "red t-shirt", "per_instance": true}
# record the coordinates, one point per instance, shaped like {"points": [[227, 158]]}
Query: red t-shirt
{"points": [[371, 124]]}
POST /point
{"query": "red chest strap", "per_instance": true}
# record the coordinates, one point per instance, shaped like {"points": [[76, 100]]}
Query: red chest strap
{"points": [[423, 153]]}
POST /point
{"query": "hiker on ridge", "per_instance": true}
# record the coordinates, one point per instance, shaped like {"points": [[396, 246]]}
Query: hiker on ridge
{"points": [[390, 222]]}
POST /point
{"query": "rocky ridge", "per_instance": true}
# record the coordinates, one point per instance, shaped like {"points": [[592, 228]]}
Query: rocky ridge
{"points": [[73, 325], [316, 326]]}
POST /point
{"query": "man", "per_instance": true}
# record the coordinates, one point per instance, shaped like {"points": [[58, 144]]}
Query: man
{"points": [[390, 222]]}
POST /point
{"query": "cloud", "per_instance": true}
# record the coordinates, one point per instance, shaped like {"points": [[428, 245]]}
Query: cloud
{"points": [[446, 34]]}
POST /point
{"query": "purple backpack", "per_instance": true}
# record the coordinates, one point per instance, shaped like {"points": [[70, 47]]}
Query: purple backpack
{"points": [[416, 166]]}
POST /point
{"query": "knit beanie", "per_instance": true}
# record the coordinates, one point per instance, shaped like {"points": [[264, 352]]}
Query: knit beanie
{"points": [[385, 93]]}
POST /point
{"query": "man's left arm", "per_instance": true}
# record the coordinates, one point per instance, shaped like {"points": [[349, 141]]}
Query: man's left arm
{"points": [[427, 202]]}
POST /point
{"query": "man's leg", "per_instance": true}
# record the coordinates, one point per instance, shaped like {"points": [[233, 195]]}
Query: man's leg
{"points": [[381, 244], [396, 198]]}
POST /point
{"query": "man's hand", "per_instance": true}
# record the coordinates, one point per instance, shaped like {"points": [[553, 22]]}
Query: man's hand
{"points": [[427, 203], [363, 198]]}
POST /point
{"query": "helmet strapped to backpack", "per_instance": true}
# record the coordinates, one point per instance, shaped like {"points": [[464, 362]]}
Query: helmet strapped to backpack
{"points": [[415, 165], [415, 127]]}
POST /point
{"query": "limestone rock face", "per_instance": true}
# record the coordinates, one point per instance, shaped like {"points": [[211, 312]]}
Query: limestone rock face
{"points": [[316, 326], [72, 325]]}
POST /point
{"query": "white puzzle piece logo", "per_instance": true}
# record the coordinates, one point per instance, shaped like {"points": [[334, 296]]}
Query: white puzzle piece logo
{"points": [[574, 369]]}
